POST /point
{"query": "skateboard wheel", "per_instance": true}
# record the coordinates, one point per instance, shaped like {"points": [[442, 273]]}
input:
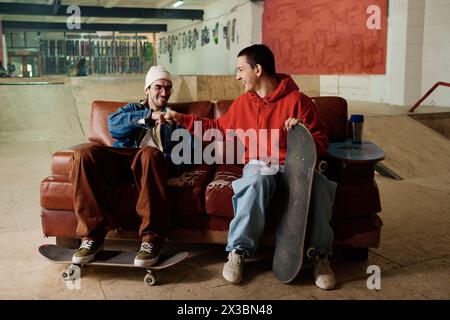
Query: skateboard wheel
{"points": [[150, 279], [70, 273], [322, 166], [311, 252], [67, 275]]}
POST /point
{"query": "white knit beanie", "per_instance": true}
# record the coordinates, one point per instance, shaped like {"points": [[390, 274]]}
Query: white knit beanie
{"points": [[156, 73]]}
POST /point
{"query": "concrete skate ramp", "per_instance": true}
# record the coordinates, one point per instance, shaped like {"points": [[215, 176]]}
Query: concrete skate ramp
{"points": [[412, 149], [87, 89], [58, 108], [439, 122], [38, 112]]}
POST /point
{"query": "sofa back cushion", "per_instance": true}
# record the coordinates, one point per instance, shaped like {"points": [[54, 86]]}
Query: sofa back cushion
{"points": [[99, 132], [222, 107], [100, 110], [333, 112], [203, 109]]}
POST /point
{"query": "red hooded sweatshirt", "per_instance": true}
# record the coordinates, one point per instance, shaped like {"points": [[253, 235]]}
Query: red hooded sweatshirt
{"points": [[250, 111]]}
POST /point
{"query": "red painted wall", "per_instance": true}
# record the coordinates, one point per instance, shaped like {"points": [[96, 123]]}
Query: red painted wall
{"points": [[325, 36]]}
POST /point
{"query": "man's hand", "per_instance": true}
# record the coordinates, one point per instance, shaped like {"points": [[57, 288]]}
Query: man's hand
{"points": [[171, 116], [291, 122], [158, 116]]}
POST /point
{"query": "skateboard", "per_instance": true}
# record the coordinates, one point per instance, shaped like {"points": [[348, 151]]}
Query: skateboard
{"points": [[296, 185], [62, 255]]}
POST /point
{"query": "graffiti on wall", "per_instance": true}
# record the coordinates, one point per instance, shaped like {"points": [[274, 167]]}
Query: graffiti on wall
{"points": [[188, 39]]}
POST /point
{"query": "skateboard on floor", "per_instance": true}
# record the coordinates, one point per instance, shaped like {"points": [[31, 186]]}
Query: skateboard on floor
{"points": [[296, 185], [62, 255]]}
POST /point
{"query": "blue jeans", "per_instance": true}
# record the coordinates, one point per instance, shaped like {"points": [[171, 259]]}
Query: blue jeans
{"points": [[252, 194]]}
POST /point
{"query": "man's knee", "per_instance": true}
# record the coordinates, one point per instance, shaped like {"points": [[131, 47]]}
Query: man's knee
{"points": [[87, 154], [264, 181], [149, 154]]}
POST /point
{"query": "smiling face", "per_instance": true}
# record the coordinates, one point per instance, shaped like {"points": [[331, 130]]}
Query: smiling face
{"points": [[248, 75], [159, 93]]}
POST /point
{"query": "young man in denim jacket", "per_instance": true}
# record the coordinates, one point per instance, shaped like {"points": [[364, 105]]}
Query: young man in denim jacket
{"points": [[140, 156]]}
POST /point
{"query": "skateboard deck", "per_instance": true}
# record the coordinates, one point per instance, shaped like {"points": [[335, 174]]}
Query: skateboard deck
{"points": [[296, 183], [61, 255]]}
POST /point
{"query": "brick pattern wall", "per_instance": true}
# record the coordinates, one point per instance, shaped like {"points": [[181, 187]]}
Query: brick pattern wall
{"points": [[325, 36]]}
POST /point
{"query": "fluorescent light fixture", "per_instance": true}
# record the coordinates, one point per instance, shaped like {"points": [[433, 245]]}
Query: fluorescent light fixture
{"points": [[177, 4]]}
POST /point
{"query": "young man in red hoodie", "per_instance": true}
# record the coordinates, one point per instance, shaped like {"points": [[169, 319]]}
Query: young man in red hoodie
{"points": [[271, 102]]}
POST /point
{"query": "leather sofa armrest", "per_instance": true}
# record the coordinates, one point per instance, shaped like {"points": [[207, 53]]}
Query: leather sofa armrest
{"points": [[62, 160]]}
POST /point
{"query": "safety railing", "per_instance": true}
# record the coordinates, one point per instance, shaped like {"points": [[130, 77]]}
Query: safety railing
{"points": [[437, 84]]}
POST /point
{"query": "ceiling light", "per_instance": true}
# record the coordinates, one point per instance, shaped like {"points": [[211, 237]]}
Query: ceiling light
{"points": [[177, 4]]}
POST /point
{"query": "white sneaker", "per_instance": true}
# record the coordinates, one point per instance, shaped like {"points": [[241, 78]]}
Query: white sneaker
{"points": [[323, 274], [148, 255], [87, 251], [234, 267]]}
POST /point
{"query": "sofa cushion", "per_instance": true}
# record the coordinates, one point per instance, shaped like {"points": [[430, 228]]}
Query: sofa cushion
{"points": [[187, 190], [219, 192]]}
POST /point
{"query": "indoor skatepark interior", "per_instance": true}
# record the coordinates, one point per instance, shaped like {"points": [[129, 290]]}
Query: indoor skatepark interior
{"points": [[44, 108], [414, 253]]}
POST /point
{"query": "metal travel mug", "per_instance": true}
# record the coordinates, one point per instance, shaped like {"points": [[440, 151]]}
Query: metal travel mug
{"points": [[357, 122]]}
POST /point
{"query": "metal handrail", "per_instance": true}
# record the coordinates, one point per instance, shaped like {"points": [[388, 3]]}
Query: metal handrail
{"points": [[437, 84]]}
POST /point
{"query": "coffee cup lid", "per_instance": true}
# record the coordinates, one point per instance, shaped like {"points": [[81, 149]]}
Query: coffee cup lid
{"points": [[357, 118]]}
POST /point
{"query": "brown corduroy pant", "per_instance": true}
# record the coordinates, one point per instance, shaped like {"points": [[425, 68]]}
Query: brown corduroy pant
{"points": [[100, 174]]}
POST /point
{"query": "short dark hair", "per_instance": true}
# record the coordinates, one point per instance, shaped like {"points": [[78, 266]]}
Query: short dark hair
{"points": [[262, 55]]}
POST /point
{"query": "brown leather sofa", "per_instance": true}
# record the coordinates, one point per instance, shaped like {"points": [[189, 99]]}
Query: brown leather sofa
{"points": [[201, 206]]}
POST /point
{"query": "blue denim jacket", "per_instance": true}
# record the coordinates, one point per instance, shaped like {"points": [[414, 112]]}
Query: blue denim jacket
{"points": [[128, 133], [123, 124]]}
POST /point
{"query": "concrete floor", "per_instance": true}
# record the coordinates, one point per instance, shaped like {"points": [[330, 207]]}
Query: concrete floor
{"points": [[414, 255]]}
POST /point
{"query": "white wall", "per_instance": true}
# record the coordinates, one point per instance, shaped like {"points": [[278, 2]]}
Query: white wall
{"points": [[436, 51], [215, 59], [4, 54], [414, 49]]}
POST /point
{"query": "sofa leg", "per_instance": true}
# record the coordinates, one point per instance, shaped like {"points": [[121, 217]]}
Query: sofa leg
{"points": [[355, 254], [70, 243]]}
